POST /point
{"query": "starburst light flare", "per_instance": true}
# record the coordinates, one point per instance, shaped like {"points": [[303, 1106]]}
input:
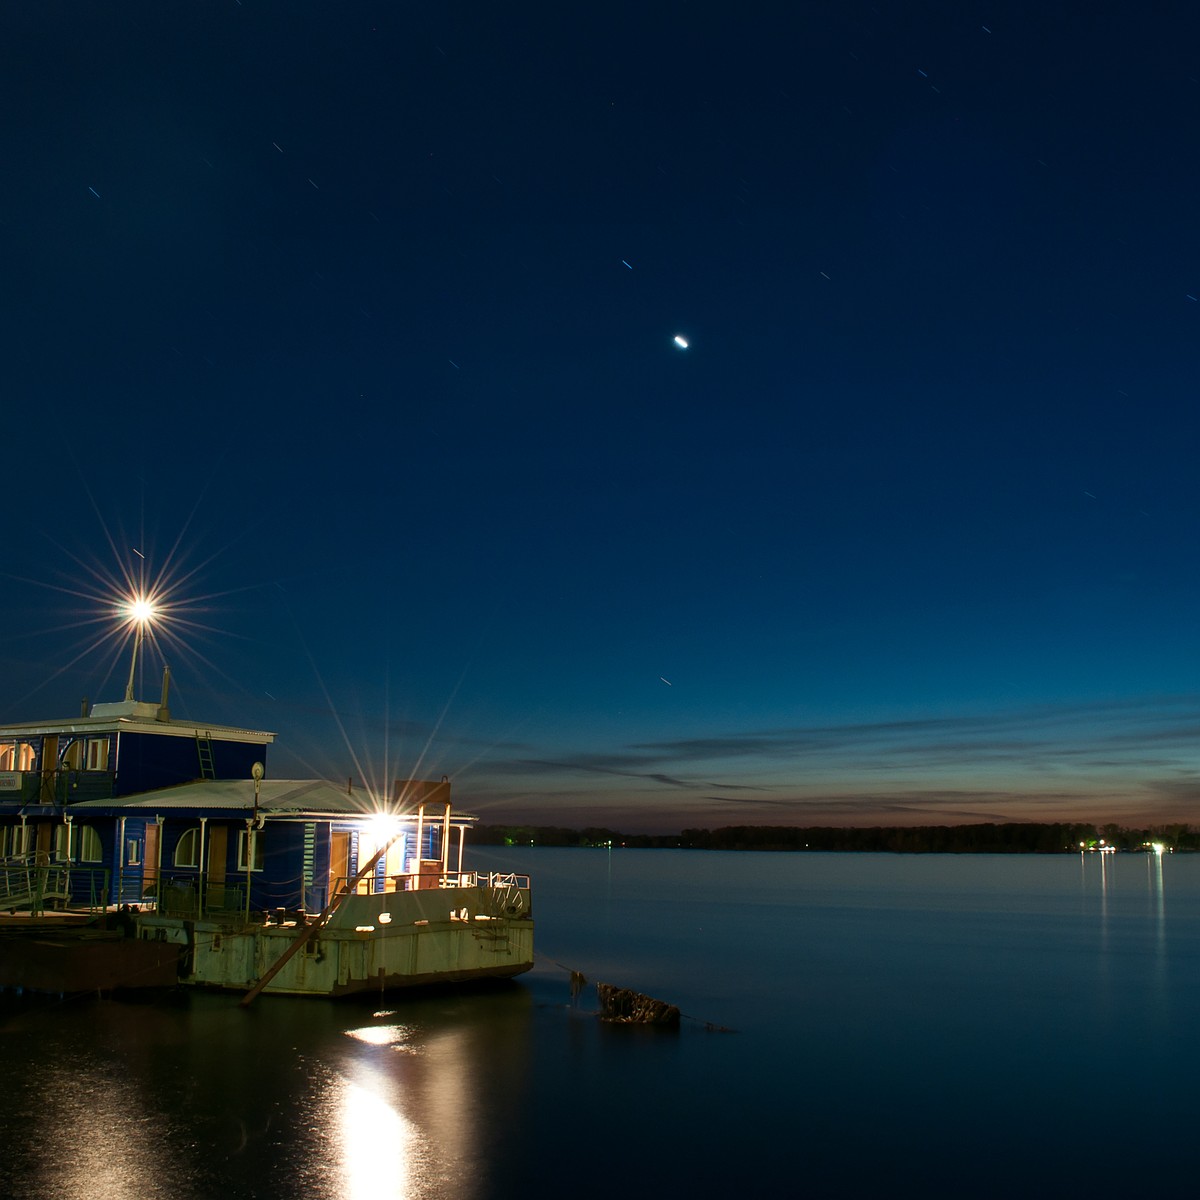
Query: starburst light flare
{"points": [[141, 609]]}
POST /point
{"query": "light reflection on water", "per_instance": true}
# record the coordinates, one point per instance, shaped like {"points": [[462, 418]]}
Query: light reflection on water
{"points": [[929, 1011], [378, 1145], [381, 1035], [191, 1096], [99, 1107]]}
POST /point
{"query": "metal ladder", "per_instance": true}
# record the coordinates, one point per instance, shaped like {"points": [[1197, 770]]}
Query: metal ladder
{"points": [[204, 750]]}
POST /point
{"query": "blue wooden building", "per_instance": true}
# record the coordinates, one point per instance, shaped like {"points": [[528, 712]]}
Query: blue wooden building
{"points": [[125, 805], [49, 769]]}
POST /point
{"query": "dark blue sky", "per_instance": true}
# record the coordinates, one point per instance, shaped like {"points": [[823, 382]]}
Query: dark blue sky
{"points": [[357, 321]]}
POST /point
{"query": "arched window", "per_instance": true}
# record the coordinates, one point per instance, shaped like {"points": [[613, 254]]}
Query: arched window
{"points": [[63, 839], [90, 849], [12, 841], [16, 756], [187, 849]]}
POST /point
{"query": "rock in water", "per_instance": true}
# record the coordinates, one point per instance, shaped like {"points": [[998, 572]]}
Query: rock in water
{"points": [[634, 1008]]}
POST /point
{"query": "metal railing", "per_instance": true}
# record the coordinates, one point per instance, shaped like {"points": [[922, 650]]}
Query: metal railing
{"points": [[60, 786], [198, 897], [33, 886], [414, 881]]}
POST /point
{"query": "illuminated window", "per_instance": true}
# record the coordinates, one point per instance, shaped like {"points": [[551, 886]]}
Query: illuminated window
{"points": [[187, 851], [15, 841], [97, 754], [90, 849], [62, 842], [16, 756], [258, 850], [72, 756], [133, 852]]}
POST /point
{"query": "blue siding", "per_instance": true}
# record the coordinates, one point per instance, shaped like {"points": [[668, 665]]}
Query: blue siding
{"points": [[280, 884], [148, 761]]}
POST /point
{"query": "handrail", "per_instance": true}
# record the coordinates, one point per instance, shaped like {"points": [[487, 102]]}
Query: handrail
{"points": [[31, 884], [414, 881]]}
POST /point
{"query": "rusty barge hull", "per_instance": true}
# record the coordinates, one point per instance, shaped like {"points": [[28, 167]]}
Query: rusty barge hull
{"points": [[71, 963], [377, 942]]}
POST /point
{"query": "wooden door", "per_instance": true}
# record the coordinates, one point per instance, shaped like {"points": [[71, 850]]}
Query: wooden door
{"points": [[150, 860], [218, 850], [339, 861], [49, 769]]}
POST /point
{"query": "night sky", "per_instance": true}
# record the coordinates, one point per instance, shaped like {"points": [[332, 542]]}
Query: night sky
{"points": [[351, 327]]}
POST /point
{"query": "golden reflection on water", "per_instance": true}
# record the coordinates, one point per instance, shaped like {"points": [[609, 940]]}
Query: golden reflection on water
{"points": [[381, 1035], [195, 1098], [410, 1103], [380, 1147], [111, 1154]]}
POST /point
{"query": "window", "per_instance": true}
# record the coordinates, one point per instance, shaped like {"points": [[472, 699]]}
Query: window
{"points": [[62, 842], [16, 756], [133, 852], [90, 849], [72, 755], [16, 844], [187, 850], [258, 850], [97, 754]]}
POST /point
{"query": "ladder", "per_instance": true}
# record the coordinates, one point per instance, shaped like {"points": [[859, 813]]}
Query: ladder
{"points": [[204, 750]]}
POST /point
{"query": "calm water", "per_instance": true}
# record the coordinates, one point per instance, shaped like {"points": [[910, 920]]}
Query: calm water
{"points": [[966, 1026]]}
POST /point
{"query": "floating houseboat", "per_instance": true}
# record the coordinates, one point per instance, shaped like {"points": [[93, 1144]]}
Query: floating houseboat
{"points": [[139, 850]]}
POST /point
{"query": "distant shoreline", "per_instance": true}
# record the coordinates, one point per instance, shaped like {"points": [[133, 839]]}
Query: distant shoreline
{"points": [[986, 838]]}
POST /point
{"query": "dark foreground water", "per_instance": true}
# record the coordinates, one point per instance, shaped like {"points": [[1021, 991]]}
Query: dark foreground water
{"points": [[951, 1026]]}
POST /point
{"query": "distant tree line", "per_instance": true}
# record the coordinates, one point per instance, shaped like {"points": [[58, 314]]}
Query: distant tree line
{"points": [[1011, 837]]}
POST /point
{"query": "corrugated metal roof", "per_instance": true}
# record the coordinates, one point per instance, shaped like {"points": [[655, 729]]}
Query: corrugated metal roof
{"points": [[276, 796], [110, 724]]}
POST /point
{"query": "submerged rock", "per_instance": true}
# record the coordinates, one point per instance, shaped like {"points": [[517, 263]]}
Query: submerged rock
{"points": [[635, 1008]]}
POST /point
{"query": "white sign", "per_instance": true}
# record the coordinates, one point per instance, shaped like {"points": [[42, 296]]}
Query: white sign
{"points": [[10, 781]]}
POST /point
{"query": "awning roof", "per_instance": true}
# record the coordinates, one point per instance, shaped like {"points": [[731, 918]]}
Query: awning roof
{"points": [[277, 797]]}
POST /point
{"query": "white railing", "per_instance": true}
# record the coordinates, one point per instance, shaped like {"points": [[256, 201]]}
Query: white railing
{"points": [[420, 881], [29, 886], [507, 879]]}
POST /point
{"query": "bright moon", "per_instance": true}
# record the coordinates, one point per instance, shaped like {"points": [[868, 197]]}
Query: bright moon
{"points": [[681, 341]]}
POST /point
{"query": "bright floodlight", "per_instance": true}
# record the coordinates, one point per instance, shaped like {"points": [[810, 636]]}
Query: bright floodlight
{"points": [[384, 825], [141, 610], [681, 341]]}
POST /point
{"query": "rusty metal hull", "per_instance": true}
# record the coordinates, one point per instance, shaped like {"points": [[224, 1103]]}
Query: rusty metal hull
{"points": [[381, 942], [82, 961]]}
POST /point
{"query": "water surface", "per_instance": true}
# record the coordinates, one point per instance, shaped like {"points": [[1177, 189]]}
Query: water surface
{"points": [[953, 1025]]}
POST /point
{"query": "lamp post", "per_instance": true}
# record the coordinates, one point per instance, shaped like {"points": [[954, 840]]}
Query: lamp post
{"points": [[140, 611], [256, 773]]}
